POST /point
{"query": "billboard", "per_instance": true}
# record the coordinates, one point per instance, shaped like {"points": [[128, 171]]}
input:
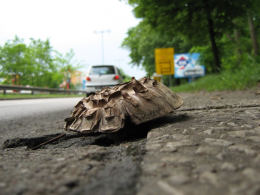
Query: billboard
{"points": [[164, 63], [186, 66]]}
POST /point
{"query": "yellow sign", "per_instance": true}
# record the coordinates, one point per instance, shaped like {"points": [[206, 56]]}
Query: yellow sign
{"points": [[164, 61]]}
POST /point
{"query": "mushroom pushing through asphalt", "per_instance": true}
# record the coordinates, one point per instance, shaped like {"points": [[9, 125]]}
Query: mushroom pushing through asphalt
{"points": [[108, 110]]}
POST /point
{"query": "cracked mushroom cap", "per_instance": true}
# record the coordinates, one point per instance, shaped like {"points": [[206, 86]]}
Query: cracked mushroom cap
{"points": [[107, 110]]}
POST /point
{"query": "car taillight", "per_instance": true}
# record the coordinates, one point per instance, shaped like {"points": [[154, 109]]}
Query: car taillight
{"points": [[88, 78], [116, 77]]}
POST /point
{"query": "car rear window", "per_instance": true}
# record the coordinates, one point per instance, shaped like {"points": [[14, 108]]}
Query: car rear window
{"points": [[99, 70]]}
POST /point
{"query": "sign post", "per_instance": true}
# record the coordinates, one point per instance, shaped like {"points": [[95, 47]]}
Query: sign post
{"points": [[164, 61], [187, 66]]}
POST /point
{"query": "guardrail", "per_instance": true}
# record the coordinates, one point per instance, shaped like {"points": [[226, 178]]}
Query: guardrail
{"points": [[40, 89]]}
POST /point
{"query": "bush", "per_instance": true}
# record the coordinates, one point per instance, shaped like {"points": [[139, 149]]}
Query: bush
{"points": [[245, 76]]}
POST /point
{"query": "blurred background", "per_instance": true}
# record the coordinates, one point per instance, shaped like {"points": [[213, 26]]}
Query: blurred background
{"points": [[45, 43], [52, 43]]}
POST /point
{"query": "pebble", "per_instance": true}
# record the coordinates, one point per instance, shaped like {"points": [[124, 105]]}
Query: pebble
{"points": [[210, 177], [20, 188], [220, 128], [168, 188], [218, 142], [153, 146], [2, 184], [223, 136], [251, 174], [62, 190], [221, 124], [179, 179], [257, 159], [239, 133], [177, 159], [60, 159], [247, 126], [202, 168], [226, 166], [179, 136], [153, 134], [231, 124], [169, 147], [24, 170], [206, 150], [254, 138], [256, 131], [253, 132], [208, 132], [185, 132], [185, 142], [160, 139], [151, 167], [243, 148], [239, 189], [220, 156]]}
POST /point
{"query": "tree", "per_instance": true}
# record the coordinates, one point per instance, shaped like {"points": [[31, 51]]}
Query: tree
{"points": [[68, 66], [143, 39], [253, 18], [200, 21], [35, 64], [13, 60]]}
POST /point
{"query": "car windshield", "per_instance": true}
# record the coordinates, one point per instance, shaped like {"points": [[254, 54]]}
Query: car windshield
{"points": [[100, 70]]}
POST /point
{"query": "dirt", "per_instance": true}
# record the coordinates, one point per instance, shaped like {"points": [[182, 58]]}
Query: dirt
{"points": [[210, 145]]}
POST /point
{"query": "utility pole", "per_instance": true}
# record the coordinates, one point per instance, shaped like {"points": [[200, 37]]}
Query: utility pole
{"points": [[101, 32]]}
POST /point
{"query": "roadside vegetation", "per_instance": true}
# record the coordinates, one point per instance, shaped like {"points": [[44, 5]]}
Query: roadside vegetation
{"points": [[28, 96], [245, 78], [125, 76], [224, 32], [35, 63]]}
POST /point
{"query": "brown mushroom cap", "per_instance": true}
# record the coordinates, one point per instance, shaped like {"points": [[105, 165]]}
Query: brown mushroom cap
{"points": [[107, 110]]}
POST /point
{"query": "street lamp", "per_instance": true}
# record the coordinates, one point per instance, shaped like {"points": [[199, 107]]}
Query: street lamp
{"points": [[101, 32]]}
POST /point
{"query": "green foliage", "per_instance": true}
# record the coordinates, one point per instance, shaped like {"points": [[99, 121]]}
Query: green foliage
{"points": [[200, 22], [29, 96], [206, 56], [125, 76], [219, 30], [67, 66], [143, 39], [35, 64]]}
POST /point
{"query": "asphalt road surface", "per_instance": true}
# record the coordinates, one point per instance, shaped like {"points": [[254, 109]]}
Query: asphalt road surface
{"points": [[13, 109], [33, 117], [209, 146]]}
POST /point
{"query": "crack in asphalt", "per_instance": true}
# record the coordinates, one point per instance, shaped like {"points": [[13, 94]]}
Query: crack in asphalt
{"points": [[120, 166], [130, 133], [221, 107]]}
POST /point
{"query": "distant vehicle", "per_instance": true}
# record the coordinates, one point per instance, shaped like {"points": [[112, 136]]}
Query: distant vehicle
{"points": [[100, 76]]}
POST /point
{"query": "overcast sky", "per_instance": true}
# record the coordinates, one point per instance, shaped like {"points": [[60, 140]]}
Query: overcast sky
{"points": [[70, 24]]}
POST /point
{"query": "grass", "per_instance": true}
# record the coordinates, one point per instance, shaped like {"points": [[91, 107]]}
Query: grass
{"points": [[29, 96], [240, 79]]}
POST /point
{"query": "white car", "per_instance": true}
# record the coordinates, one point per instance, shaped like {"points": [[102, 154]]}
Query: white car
{"points": [[99, 76]]}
